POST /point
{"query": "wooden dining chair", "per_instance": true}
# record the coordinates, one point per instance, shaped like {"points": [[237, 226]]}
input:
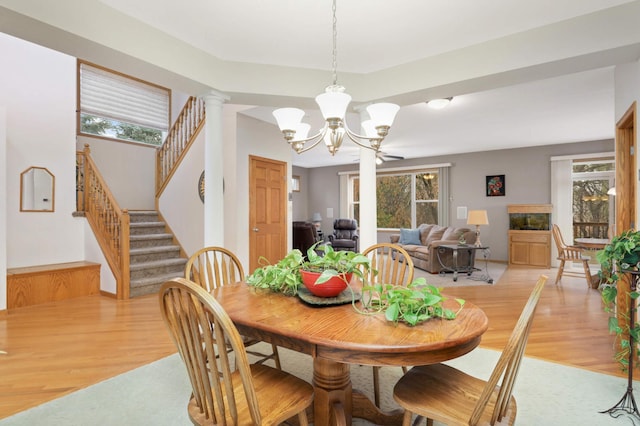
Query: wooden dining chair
{"points": [[390, 264], [247, 394], [568, 253], [453, 397], [212, 267]]}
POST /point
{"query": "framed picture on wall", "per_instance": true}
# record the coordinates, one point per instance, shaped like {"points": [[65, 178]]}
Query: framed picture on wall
{"points": [[495, 186]]}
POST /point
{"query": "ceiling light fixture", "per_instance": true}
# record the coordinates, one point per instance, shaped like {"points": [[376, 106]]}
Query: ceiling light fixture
{"points": [[333, 105], [439, 103]]}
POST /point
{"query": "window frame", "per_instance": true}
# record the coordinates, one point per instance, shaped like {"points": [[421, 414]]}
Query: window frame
{"points": [[134, 81], [413, 173]]}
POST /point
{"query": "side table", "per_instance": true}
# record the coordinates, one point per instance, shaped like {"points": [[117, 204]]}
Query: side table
{"points": [[469, 268]]}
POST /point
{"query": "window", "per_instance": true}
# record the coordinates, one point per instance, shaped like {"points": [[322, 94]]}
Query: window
{"points": [[116, 106], [404, 200], [593, 206]]}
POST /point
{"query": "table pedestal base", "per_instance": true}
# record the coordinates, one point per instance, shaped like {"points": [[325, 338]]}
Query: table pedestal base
{"points": [[332, 388]]}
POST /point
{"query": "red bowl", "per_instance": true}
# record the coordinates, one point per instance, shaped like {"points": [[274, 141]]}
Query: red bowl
{"points": [[331, 288]]}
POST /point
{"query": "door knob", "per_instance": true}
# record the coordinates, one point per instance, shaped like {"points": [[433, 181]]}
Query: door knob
{"points": [[255, 229]]}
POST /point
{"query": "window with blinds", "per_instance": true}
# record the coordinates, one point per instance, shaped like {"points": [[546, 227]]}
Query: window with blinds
{"points": [[117, 106]]}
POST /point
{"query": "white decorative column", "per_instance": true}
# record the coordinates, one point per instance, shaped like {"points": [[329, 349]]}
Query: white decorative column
{"points": [[368, 203], [213, 170]]}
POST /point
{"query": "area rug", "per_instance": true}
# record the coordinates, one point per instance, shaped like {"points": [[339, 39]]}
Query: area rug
{"points": [[488, 274], [546, 394]]}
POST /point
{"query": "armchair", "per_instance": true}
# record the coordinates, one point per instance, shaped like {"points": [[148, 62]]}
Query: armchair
{"points": [[345, 235], [304, 236]]}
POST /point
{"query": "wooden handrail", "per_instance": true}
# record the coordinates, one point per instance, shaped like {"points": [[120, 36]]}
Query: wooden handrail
{"points": [[109, 222], [180, 137]]}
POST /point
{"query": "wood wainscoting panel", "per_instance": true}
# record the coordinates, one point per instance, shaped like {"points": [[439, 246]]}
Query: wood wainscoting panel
{"points": [[33, 285]]}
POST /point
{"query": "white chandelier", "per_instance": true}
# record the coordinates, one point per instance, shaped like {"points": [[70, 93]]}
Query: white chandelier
{"points": [[333, 105]]}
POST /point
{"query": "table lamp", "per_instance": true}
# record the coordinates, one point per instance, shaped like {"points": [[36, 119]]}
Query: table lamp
{"points": [[316, 219], [477, 218]]}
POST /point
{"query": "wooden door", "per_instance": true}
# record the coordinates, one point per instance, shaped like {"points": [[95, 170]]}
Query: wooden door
{"points": [[267, 210], [626, 171], [625, 200]]}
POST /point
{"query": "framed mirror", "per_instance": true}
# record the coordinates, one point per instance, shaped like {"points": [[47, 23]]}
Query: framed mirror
{"points": [[37, 190]]}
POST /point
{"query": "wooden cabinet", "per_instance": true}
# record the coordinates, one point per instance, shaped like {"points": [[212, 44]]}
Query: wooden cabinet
{"points": [[33, 285], [530, 248], [530, 235]]}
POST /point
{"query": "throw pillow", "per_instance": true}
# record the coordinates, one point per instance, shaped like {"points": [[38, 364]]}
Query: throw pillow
{"points": [[436, 234], [410, 236], [424, 232]]}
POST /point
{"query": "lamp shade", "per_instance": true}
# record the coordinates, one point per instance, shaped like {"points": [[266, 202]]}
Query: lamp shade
{"points": [[302, 131], [382, 114], [369, 129], [477, 217], [333, 104], [316, 217], [288, 118]]}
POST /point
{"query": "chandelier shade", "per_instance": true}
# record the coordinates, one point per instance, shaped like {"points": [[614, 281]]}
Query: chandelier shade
{"points": [[333, 104], [288, 118], [383, 114]]}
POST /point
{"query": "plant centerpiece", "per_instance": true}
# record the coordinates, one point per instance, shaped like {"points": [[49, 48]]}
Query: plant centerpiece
{"points": [[413, 304], [324, 275], [619, 258], [327, 275]]}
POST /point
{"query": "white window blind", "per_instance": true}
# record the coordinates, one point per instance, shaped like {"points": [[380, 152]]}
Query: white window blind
{"points": [[113, 96]]}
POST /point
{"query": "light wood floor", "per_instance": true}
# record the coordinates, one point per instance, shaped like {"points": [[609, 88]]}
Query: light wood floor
{"points": [[58, 348]]}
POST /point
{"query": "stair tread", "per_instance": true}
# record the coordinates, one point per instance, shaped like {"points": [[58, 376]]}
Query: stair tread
{"points": [[157, 263], [145, 224], [154, 249], [150, 236], [141, 282]]}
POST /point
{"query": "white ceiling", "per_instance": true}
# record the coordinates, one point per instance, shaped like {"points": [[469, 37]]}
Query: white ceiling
{"points": [[378, 35]]}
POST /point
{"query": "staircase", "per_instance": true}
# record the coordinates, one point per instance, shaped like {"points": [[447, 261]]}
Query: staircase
{"points": [[154, 258]]}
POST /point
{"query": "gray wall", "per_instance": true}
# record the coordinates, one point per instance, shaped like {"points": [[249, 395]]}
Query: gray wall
{"points": [[527, 175], [300, 199]]}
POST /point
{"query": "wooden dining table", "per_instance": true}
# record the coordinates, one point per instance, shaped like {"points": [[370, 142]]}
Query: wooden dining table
{"points": [[592, 243], [337, 336]]}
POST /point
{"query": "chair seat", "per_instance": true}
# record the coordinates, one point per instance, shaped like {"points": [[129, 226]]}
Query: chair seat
{"points": [[280, 395], [462, 392]]}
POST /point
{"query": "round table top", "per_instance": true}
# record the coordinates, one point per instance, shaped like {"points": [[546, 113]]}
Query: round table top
{"points": [[341, 334], [598, 243]]}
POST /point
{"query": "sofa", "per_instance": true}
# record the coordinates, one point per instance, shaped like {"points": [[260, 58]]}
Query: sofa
{"points": [[422, 245]]}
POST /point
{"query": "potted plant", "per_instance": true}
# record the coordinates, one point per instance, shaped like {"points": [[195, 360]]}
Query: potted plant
{"points": [[324, 275], [329, 273], [621, 256]]}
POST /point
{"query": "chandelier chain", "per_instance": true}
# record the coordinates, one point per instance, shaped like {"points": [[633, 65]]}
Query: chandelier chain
{"points": [[335, 44]]}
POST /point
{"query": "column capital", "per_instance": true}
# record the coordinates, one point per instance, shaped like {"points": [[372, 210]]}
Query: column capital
{"points": [[213, 96]]}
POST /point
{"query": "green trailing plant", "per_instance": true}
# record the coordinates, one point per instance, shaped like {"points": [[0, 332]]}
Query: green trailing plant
{"points": [[413, 304], [282, 277], [620, 256]]}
